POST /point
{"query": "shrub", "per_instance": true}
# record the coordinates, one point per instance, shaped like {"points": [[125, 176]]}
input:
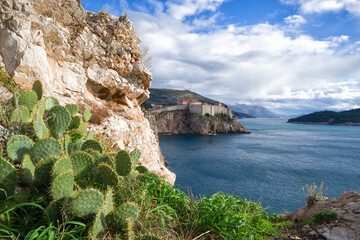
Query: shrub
{"points": [[314, 194], [103, 14], [110, 50], [324, 217]]}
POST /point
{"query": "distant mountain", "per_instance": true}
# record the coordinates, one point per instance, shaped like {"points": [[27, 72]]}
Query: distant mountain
{"points": [[351, 117], [256, 111], [160, 96], [241, 115]]}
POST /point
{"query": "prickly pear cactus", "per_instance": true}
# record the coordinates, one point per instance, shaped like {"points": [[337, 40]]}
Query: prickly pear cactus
{"points": [[54, 211], [20, 115], [117, 219], [26, 98], [135, 156], [28, 170], [82, 164], [43, 170], [18, 146], [8, 178], [73, 109], [109, 204], [142, 169], [62, 164], [59, 120], [62, 185], [45, 147], [51, 102], [74, 123], [38, 89], [107, 176], [92, 144], [87, 115], [98, 228], [123, 163], [86, 204]]}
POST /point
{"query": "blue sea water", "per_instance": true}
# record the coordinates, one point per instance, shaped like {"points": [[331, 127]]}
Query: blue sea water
{"points": [[270, 165]]}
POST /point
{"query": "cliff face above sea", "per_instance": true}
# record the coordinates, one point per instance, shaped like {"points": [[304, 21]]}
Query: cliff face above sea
{"points": [[93, 60], [186, 122]]}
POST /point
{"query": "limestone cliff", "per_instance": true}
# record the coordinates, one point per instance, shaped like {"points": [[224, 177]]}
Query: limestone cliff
{"points": [[186, 122], [90, 59]]}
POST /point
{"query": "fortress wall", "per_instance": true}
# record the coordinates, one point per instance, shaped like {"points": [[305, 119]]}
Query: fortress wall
{"points": [[196, 108], [172, 108]]}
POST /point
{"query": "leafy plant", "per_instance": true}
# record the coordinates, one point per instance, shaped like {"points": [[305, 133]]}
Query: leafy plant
{"points": [[314, 194], [324, 216]]}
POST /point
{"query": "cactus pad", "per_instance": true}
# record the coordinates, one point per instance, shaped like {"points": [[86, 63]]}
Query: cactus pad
{"points": [[8, 178], [117, 219], [27, 98], [86, 203], [53, 211], [132, 175], [39, 127], [82, 163], [62, 185], [61, 165], [45, 147], [97, 230], [65, 142], [74, 123], [73, 109], [107, 176], [123, 163], [66, 205], [87, 115], [105, 158], [38, 89], [142, 169], [28, 170], [18, 146], [90, 135], [82, 127], [43, 170], [109, 201], [135, 156], [59, 120], [92, 144], [77, 145], [20, 115], [51, 102]]}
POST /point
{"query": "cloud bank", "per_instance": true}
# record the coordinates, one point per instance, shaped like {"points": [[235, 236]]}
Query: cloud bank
{"points": [[274, 65]]}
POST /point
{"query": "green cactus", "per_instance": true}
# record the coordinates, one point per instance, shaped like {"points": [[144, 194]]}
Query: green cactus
{"points": [[118, 219], [142, 169], [18, 146], [96, 155], [76, 135], [86, 203], [59, 120], [28, 170], [38, 110], [26, 98], [90, 135], [135, 156], [107, 176], [62, 185], [66, 206], [38, 89], [39, 127], [20, 115], [62, 164], [45, 147], [82, 163], [74, 123], [92, 144], [82, 127], [65, 142], [73, 109], [132, 175], [51, 102], [28, 130], [76, 146], [109, 201], [123, 163], [98, 228], [43, 170], [8, 178], [87, 115], [105, 158], [53, 211]]}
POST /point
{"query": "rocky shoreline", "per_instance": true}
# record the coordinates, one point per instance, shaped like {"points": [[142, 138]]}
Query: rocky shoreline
{"points": [[186, 122]]}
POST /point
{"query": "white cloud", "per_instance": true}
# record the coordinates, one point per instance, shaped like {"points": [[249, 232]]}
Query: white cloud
{"points": [[182, 9], [295, 20], [319, 6]]}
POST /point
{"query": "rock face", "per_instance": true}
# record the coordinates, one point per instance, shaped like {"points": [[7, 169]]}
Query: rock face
{"points": [[90, 59], [186, 122], [345, 227]]}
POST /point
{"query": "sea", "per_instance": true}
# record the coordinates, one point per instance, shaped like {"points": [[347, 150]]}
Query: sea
{"points": [[270, 165]]}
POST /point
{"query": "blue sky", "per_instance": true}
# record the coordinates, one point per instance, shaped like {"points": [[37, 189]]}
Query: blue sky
{"points": [[293, 56]]}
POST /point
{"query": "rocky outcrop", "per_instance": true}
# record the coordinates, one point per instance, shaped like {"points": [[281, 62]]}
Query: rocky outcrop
{"points": [[93, 60], [345, 227], [186, 122]]}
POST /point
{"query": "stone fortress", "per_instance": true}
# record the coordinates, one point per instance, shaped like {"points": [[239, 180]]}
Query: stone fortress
{"points": [[196, 107]]}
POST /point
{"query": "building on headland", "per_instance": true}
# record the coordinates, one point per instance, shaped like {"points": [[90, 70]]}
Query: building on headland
{"points": [[197, 107]]}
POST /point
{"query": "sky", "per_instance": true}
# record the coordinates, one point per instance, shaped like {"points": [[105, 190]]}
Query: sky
{"points": [[292, 56]]}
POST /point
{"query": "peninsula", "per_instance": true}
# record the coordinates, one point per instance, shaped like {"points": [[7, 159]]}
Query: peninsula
{"points": [[349, 118]]}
